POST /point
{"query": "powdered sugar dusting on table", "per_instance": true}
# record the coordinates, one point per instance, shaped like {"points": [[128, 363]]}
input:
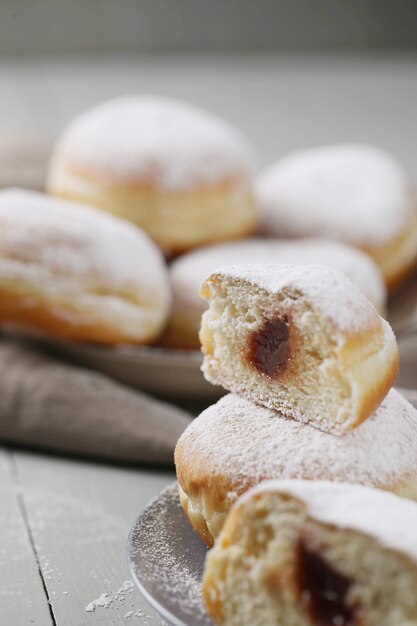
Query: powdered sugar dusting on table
{"points": [[352, 192], [244, 444], [172, 143], [386, 517], [106, 600], [329, 291]]}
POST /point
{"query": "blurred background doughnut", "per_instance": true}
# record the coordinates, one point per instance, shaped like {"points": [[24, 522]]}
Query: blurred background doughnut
{"points": [[182, 174], [76, 273], [350, 192]]}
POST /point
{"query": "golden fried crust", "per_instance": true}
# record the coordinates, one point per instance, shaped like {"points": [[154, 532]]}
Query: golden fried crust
{"points": [[177, 220], [374, 389], [204, 492], [397, 258], [19, 311], [195, 518], [208, 499]]}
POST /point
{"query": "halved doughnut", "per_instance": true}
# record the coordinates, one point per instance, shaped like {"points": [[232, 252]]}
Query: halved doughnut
{"points": [[304, 553], [303, 340]]}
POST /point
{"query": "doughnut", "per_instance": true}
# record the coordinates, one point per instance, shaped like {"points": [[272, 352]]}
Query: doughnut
{"points": [[183, 175], [188, 272], [350, 192], [234, 445], [75, 273], [300, 339], [305, 553]]}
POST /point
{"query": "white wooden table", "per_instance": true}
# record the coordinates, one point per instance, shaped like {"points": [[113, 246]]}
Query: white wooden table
{"points": [[64, 523], [64, 526]]}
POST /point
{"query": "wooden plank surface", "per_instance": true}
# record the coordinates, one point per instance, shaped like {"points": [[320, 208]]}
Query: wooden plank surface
{"points": [[80, 515], [23, 599]]}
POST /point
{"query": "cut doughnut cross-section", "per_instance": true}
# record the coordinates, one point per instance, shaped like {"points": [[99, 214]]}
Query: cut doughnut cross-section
{"points": [[305, 553], [302, 340]]}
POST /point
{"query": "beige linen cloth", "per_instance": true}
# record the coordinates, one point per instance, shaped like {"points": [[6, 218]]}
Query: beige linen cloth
{"points": [[47, 404]]}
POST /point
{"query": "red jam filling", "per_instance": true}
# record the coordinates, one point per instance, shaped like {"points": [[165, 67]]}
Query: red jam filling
{"points": [[269, 347], [324, 590]]}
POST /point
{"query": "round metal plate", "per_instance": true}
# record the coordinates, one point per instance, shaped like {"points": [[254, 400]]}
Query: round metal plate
{"points": [[166, 558]]}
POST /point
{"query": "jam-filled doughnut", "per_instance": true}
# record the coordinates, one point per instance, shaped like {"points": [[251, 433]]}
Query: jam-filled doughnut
{"points": [[234, 444], [76, 273], [188, 272], [179, 172], [307, 553], [350, 192], [303, 340]]}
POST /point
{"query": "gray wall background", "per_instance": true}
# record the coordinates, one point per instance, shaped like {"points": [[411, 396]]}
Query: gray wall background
{"points": [[59, 26]]}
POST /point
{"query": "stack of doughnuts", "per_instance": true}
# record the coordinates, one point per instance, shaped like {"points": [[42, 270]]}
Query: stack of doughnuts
{"points": [[310, 364]]}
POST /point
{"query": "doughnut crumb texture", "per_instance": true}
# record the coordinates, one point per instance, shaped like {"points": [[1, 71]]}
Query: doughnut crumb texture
{"points": [[304, 553], [302, 340]]}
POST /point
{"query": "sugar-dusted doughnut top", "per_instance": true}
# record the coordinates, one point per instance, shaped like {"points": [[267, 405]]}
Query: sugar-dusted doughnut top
{"points": [[73, 241], [352, 192], [188, 271], [160, 141], [388, 518], [334, 296], [238, 443]]}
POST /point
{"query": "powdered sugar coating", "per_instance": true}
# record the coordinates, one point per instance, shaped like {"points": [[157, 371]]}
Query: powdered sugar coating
{"points": [[245, 444], [188, 271], [166, 142], [351, 192], [337, 299], [163, 549], [391, 520], [71, 240]]}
